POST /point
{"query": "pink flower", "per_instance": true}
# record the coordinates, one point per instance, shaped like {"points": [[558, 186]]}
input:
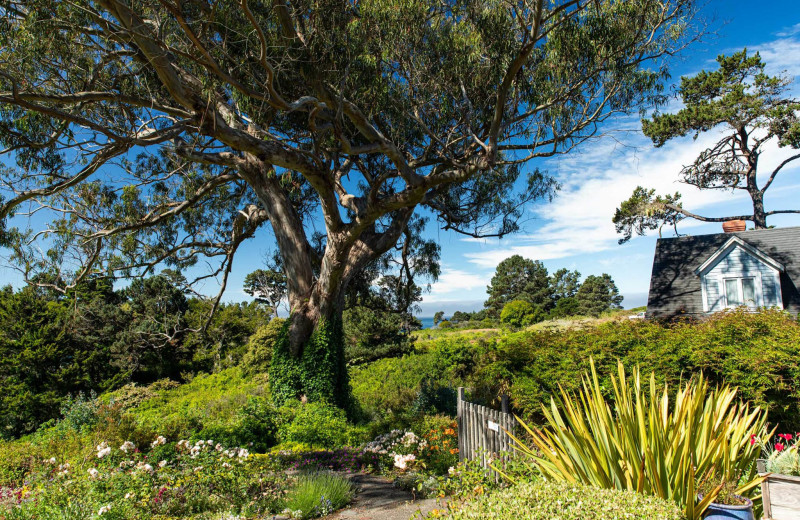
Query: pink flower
{"points": [[752, 439], [778, 446], [785, 436]]}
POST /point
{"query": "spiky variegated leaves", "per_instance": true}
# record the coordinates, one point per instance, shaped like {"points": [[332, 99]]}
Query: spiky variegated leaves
{"points": [[640, 441]]}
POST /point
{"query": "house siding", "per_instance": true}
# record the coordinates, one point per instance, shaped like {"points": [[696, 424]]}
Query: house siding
{"points": [[675, 288], [738, 263]]}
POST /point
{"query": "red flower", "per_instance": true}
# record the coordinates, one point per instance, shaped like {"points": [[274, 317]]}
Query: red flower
{"points": [[785, 436], [752, 440], [778, 446]]}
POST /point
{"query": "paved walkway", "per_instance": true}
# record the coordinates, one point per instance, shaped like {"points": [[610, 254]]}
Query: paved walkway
{"points": [[378, 499]]}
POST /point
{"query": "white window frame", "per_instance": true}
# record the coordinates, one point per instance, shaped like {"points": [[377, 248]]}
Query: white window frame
{"points": [[759, 290]]}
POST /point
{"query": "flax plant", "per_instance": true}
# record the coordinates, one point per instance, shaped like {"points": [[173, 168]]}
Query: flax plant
{"points": [[638, 442]]}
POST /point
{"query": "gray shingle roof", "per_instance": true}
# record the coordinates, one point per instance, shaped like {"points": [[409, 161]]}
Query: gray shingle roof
{"points": [[675, 288]]}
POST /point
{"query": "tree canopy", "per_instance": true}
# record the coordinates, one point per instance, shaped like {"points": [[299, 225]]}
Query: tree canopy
{"points": [[753, 108], [518, 278], [155, 133]]}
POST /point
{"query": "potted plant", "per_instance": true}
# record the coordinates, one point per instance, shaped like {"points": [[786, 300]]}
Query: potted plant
{"points": [[727, 504], [780, 468]]}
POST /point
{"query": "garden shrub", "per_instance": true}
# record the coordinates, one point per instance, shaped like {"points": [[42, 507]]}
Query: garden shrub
{"points": [[372, 334], [520, 313], [258, 356], [316, 424], [757, 352], [543, 500], [391, 386]]}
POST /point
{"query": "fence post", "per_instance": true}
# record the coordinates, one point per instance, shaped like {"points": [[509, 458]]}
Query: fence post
{"points": [[460, 422], [504, 403]]}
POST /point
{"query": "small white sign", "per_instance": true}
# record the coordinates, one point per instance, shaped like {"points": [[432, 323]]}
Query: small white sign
{"points": [[494, 426]]}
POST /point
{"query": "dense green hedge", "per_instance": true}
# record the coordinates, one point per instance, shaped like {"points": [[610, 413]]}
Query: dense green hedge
{"points": [[544, 500], [759, 353]]}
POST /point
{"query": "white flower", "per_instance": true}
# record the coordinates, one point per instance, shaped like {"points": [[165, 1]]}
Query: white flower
{"points": [[144, 467], [162, 463], [94, 473], [401, 461], [127, 446], [104, 510], [243, 453], [128, 495], [198, 468], [103, 449], [210, 442], [219, 447], [226, 465], [161, 440], [451, 470]]}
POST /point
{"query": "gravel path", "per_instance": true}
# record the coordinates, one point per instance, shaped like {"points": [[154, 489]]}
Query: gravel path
{"points": [[378, 499]]}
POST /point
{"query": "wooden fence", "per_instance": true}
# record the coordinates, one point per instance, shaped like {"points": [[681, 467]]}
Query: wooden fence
{"points": [[482, 431]]}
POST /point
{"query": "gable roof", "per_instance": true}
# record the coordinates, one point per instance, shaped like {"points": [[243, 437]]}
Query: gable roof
{"points": [[728, 246], [675, 287]]}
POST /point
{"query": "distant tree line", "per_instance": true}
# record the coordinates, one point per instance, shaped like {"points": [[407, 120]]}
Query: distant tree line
{"points": [[523, 292]]}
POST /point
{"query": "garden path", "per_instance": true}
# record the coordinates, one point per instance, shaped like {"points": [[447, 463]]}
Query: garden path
{"points": [[378, 499]]}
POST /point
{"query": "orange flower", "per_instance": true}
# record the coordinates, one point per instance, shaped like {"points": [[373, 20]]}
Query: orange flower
{"points": [[453, 451], [449, 431]]}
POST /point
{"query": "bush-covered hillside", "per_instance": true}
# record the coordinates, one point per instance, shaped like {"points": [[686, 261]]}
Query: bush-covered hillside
{"points": [[759, 353]]}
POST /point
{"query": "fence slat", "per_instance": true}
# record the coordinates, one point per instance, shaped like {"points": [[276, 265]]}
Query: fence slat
{"points": [[475, 438]]}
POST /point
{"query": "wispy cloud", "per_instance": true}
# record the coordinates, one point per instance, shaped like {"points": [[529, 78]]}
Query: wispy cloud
{"points": [[453, 283]]}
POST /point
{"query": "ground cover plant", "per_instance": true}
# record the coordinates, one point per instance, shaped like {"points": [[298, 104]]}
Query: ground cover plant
{"points": [[544, 500]]}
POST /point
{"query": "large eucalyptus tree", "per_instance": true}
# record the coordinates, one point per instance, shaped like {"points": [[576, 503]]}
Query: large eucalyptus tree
{"points": [[143, 134]]}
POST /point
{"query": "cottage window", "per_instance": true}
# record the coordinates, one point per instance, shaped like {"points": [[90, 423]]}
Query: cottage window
{"points": [[741, 291]]}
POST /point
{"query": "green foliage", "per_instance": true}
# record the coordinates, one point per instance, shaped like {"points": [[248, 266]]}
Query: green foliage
{"points": [[445, 324], [786, 461], [518, 278], [196, 481], [319, 374], [372, 334], [258, 356], [519, 313], [645, 444], [565, 307], [543, 500], [596, 295], [391, 386], [759, 353], [45, 355], [221, 402], [319, 494], [228, 337], [314, 424]]}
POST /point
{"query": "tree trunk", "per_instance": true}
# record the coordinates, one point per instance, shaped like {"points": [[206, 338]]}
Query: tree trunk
{"points": [[308, 358], [759, 215], [315, 369]]}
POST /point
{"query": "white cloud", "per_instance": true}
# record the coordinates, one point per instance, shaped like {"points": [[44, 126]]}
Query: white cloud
{"points": [[781, 55], [453, 283], [789, 31]]}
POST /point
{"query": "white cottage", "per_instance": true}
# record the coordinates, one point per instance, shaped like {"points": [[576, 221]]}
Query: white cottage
{"points": [[704, 274]]}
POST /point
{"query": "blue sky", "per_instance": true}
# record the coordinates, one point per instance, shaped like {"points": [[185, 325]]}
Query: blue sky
{"points": [[575, 231]]}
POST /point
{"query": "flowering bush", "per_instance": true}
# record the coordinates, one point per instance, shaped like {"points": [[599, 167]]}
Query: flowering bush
{"points": [[123, 482], [440, 449], [782, 453], [398, 448]]}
